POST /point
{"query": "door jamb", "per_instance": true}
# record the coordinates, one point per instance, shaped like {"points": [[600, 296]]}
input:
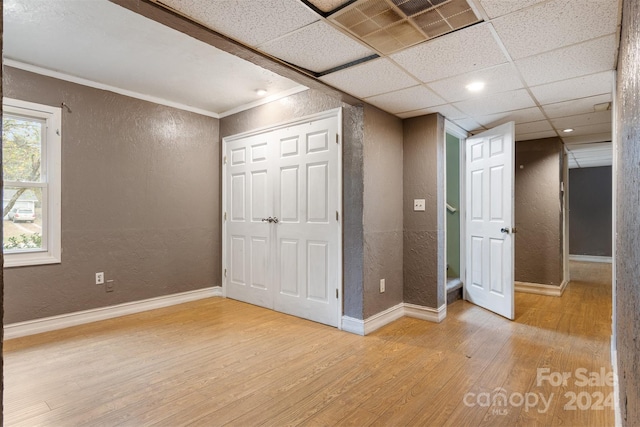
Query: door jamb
{"points": [[455, 130]]}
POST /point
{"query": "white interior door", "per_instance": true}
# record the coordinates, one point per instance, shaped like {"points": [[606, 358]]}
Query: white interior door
{"points": [[248, 238], [489, 245], [306, 203], [291, 175]]}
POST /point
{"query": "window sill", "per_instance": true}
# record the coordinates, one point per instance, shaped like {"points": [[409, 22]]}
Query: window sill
{"points": [[30, 259]]}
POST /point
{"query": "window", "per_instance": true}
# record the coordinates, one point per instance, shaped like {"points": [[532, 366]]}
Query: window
{"points": [[31, 152]]}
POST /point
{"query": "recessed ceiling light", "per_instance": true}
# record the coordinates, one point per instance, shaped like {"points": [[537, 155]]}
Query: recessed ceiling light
{"points": [[475, 86], [567, 130], [261, 92]]}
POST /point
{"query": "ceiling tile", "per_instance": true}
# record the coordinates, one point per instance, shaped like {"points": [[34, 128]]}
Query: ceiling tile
{"points": [[555, 24], [317, 47], [328, 5], [518, 116], [590, 155], [530, 127], [584, 139], [535, 135], [594, 118], [502, 78], [581, 87], [251, 22], [495, 8], [370, 78], [575, 106], [600, 128], [497, 103], [469, 125], [472, 48], [413, 98], [447, 110], [573, 61]]}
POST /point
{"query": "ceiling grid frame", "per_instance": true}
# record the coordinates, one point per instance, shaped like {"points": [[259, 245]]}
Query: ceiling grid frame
{"points": [[551, 100]]}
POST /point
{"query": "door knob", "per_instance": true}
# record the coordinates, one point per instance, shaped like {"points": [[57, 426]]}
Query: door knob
{"points": [[267, 219], [275, 219], [505, 230]]}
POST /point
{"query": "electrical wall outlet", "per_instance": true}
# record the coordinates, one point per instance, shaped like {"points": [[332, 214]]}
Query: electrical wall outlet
{"points": [[382, 285], [419, 205], [99, 278], [109, 286]]}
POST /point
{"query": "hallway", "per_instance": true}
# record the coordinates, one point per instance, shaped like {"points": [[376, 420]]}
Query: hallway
{"points": [[219, 361]]}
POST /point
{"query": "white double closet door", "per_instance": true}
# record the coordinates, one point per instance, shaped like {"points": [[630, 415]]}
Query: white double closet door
{"points": [[282, 228]]}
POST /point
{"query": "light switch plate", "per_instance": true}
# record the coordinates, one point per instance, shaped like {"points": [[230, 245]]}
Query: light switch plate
{"points": [[418, 205]]}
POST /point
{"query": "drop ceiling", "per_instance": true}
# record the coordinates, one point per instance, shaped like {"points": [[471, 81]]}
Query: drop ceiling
{"points": [[546, 64]]}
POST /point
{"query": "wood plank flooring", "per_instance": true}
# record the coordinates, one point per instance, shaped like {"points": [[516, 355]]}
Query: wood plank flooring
{"points": [[221, 362]]}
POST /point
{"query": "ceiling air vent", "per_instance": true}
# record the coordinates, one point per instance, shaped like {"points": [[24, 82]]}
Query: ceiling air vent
{"points": [[392, 25]]}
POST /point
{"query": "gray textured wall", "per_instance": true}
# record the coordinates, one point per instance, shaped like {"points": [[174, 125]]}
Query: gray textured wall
{"points": [[382, 210], [140, 202], [627, 262], [590, 211], [538, 257], [304, 104], [424, 235]]}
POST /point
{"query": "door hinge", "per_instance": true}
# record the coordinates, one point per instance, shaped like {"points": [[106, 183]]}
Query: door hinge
{"points": [[225, 160], [225, 216], [336, 293], [337, 216], [225, 272], [337, 139]]}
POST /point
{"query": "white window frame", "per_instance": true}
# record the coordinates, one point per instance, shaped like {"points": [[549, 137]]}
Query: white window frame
{"points": [[52, 157]]}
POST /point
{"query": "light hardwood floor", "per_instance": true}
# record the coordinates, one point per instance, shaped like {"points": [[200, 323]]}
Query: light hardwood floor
{"points": [[216, 362]]}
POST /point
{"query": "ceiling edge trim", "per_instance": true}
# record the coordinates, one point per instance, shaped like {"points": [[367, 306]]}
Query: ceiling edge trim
{"points": [[96, 85]]}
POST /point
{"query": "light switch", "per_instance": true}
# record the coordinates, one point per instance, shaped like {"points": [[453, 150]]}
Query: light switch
{"points": [[418, 204]]}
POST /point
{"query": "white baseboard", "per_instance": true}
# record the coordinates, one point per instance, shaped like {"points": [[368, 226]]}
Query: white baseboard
{"points": [[436, 315], [352, 325], [31, 327], [383, 318], [540, 289], [590, 258], [378, 320]]}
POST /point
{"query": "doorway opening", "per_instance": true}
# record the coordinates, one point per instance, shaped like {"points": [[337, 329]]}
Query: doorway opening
{"points": [[453, 217]]}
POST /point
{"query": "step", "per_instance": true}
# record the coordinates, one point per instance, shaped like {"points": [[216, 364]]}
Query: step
{"points": [[453, 283]]}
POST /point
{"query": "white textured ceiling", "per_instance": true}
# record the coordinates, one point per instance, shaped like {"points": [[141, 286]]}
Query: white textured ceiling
{"points": [[545, 63], [102, 42]]}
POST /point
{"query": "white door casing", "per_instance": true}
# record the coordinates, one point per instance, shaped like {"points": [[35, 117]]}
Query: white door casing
{"points": [[291, 173], [489, 176]]}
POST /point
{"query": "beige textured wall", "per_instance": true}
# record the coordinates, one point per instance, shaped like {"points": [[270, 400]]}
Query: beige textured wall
{"points": [[140, 202], [424, 234], [538, 214], [383, 214], [627, 202]]}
